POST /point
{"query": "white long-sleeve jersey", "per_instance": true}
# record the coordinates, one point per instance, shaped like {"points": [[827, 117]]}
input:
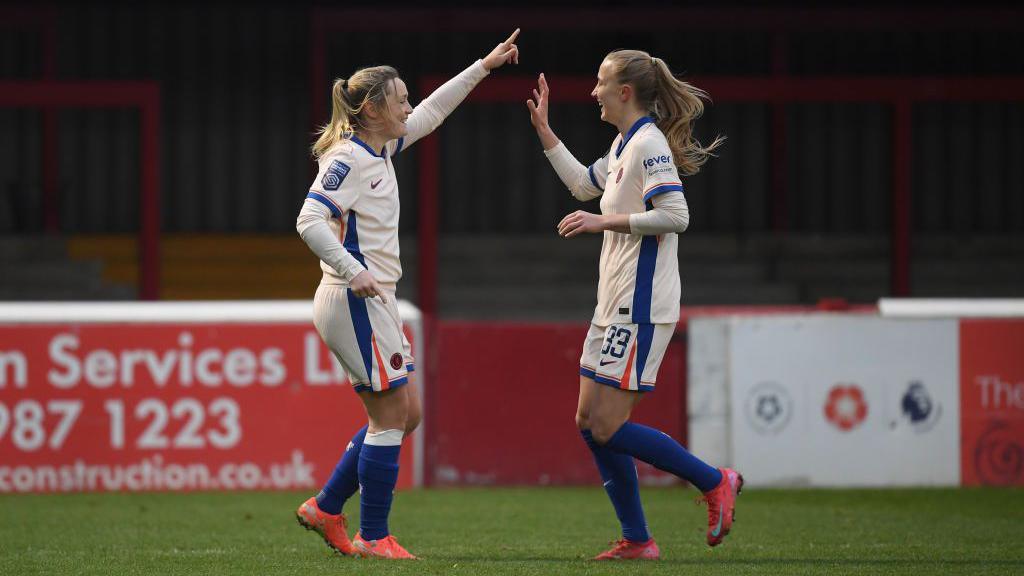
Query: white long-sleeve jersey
{"points": [[350, 216], [639, 274]]}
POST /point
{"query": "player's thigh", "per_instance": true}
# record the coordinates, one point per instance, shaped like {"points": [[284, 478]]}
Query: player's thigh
{"points": [[589, 360], [587, 390], [387, 409], [414, 414]]}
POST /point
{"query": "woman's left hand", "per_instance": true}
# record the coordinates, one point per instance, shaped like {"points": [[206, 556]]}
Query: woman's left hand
{"points": [[503, 53], [579, 222]]}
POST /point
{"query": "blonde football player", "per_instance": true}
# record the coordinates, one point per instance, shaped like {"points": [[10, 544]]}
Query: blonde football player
{"points": [[350, 221], [642, 212]]}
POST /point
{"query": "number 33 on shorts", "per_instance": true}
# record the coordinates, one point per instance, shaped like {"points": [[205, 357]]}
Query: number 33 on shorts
{"points": [[626, 356]]}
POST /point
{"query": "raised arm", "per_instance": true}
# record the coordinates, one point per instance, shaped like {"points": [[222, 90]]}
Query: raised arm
{"points": [[585, 183], [426, 117]]}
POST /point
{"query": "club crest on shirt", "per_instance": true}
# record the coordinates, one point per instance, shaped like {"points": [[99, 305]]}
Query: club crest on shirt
{"points": [[335, 175]]}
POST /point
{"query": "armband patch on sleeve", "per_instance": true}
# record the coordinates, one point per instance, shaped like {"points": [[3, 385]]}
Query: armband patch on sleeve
{"points": [[335, 175]]}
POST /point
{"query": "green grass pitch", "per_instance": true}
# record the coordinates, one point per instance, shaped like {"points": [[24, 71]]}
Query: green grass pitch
{"points": [[521, 531]]}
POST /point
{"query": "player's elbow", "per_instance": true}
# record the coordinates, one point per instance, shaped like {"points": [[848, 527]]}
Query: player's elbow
{"points": [[304, 223]]}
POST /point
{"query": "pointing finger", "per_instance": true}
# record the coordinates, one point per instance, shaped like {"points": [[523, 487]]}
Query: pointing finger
{"points": [[513, 37]]}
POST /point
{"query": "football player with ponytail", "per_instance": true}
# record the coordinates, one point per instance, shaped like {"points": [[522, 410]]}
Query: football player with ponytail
{"points": [[643, 210], [350, 221]]}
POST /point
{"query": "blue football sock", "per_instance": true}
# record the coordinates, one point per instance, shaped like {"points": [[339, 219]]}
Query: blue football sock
{"points": [[620, 482], [378, 473], [344, 482], [661, 451]]}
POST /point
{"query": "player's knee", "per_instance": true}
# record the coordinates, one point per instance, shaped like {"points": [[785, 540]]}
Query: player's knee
{"points": [[602, 430], [412, 422], [582, 420]]}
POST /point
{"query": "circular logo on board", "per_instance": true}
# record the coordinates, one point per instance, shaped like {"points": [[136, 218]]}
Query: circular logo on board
{"points": [[769, 407], [846, 407], [999, 455], [919, 408], [396, 360]]}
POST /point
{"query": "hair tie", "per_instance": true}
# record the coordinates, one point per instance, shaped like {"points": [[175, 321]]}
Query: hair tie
{"points": [[654, 60]]}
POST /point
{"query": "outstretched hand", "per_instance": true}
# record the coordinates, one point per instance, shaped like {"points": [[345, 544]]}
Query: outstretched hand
{"points": [[539, 108], [503, 53]]}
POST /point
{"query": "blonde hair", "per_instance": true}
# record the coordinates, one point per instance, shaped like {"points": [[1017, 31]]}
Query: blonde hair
{"points": [[348, 99], [673, 104]]}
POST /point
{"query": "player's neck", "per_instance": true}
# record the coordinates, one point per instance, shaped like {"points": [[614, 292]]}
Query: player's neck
{"points": [[372, 139], [628, 120]]}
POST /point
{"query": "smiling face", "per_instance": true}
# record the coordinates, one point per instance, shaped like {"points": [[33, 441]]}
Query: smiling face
{"points": [[610, 95], [390, 117]]}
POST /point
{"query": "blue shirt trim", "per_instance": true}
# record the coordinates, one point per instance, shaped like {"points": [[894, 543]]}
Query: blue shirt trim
{"points": [[644, 287], [593, 180], [372, 152], [632, 130], [662, 189], [326, 202], [351, 242], [398, 148]]}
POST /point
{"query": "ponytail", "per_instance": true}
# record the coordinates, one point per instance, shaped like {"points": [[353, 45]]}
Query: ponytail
{"points": [[673, 104], [348, 100]]}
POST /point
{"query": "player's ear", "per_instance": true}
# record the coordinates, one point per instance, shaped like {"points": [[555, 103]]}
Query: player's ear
{"points": [[625, 92], [370, 110]]}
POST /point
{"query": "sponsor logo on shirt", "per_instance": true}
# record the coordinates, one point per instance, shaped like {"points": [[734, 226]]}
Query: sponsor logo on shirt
{"points": [[663, 159], [659, 165]]}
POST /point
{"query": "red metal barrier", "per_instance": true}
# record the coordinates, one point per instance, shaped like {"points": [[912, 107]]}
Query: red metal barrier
{"points": [[143, 95]]}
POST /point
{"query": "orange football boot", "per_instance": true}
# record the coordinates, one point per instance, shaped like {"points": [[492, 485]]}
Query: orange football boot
{"points": [[626, 550], [332, 527], [722, 505], [386, 547]]}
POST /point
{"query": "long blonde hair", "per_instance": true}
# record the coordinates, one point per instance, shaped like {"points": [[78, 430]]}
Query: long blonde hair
{"points": [[673, 104], [348, 99]]}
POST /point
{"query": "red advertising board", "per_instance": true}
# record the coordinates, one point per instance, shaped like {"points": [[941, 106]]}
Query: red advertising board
{"points": [[503, 408], [992, 402], [164, 406]]}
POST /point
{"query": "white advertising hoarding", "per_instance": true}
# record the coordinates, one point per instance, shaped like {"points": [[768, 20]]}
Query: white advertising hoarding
{"points": [[828, 400]]}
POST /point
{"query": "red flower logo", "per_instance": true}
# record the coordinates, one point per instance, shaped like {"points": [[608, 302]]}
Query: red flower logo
{"points": [[845, 407]]}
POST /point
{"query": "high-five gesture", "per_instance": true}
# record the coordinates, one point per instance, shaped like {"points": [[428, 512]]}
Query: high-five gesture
{"points": [[539, 108], [539, 114], [503, 53]]}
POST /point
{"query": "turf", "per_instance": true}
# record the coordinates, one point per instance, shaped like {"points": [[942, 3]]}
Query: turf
{"points": [[521, 531]]}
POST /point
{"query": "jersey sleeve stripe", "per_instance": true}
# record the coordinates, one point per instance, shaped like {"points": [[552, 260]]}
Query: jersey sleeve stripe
{"points": [[593, 179], [335, 210], [661, 189]]}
